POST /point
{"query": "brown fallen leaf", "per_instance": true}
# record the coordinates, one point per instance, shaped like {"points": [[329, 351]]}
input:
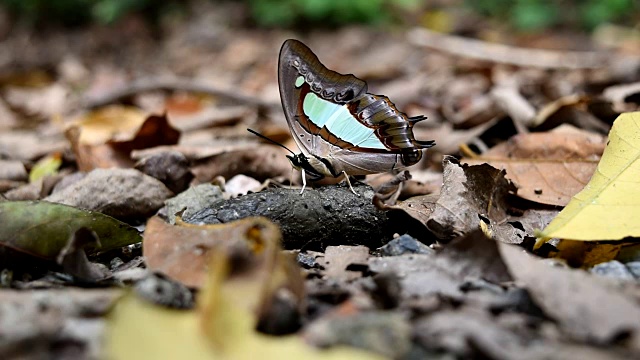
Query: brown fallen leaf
{"points": [[242, 185], [258, 161], [473, 197], [417, 207], [474, 333], [182, 252], [338, 258], [73, 257], [549, 167], [106, 137], [470, 257], [170, 167], [586, 253], [587, 307], [449, 139]]}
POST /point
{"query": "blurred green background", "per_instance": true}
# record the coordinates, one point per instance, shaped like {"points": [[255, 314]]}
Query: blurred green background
{"points": [[521, 15]]}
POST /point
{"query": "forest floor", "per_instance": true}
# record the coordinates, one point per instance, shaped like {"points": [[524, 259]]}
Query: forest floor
{"points": [[141, 133]]}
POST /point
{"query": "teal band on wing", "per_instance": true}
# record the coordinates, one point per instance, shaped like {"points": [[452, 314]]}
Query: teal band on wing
{"points": [[299, 81], [339, 122]]}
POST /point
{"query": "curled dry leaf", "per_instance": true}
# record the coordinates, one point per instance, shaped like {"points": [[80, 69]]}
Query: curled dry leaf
{"points": [[43, 229], [550, 167], [472, 196], [555, 108], [106, 137]]}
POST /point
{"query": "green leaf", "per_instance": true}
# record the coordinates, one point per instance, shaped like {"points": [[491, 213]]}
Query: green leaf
{"points": [[42, 229]]}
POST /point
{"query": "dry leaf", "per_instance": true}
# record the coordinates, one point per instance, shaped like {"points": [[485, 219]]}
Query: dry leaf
{"points": [[182, 252], [338, 258], [257, 161], [587, 307], [471, 197], [470, 257], [608, 208], [238, 293], [106, 137], [548, 168]]}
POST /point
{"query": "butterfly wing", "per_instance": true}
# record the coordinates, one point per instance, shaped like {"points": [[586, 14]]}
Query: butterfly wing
{"points": [[333, 118], [299, 66]]}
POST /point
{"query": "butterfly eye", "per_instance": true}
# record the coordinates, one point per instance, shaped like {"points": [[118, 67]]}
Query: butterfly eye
{"points": [[296, 63], [316, 88]]}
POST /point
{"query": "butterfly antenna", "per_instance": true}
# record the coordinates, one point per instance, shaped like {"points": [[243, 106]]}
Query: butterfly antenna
{"points": [[270, 140]]}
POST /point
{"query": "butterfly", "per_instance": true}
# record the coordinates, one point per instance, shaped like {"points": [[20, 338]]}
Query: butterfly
{"points": [[340, 128]]}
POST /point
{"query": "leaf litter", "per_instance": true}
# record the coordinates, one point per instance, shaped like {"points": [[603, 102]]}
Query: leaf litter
{"points": [[431, 275]]}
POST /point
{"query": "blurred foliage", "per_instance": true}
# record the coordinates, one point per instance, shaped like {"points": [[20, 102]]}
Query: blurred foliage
{"points": [[77, 12], [286, 13], [524, 15], [535, 15]]}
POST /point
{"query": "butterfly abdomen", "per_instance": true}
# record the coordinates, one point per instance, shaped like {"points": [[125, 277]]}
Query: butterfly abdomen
{"points": [[391, 126]]}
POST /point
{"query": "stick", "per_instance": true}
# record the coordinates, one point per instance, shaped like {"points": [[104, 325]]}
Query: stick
{"points": [[504, 54], [180, 84]]}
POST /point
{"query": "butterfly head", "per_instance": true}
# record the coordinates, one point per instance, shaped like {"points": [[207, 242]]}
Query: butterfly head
{"points": [[301, 161]]}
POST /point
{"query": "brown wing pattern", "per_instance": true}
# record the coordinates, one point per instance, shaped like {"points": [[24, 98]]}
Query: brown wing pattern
{"points": [[392, 127]]}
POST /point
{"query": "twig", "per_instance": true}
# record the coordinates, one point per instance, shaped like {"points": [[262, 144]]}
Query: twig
{"points": [[173, 84], [504, 54]]}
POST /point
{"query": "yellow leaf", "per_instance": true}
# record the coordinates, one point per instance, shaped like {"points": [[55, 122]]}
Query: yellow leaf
{"points": [[48, 165], [223, 324], [140, 330], [586, 254], [608, 208], [109, 123]]}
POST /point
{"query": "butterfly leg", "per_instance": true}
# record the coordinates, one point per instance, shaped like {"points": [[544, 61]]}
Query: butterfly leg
{"points": [[304, 182], [346, 177]]}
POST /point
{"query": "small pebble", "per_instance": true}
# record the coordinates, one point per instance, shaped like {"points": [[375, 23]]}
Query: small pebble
{"points": [[405, 244]]}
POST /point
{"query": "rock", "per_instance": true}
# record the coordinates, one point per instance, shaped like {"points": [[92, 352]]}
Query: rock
{"points": [[121, 193], [405, 244]]}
